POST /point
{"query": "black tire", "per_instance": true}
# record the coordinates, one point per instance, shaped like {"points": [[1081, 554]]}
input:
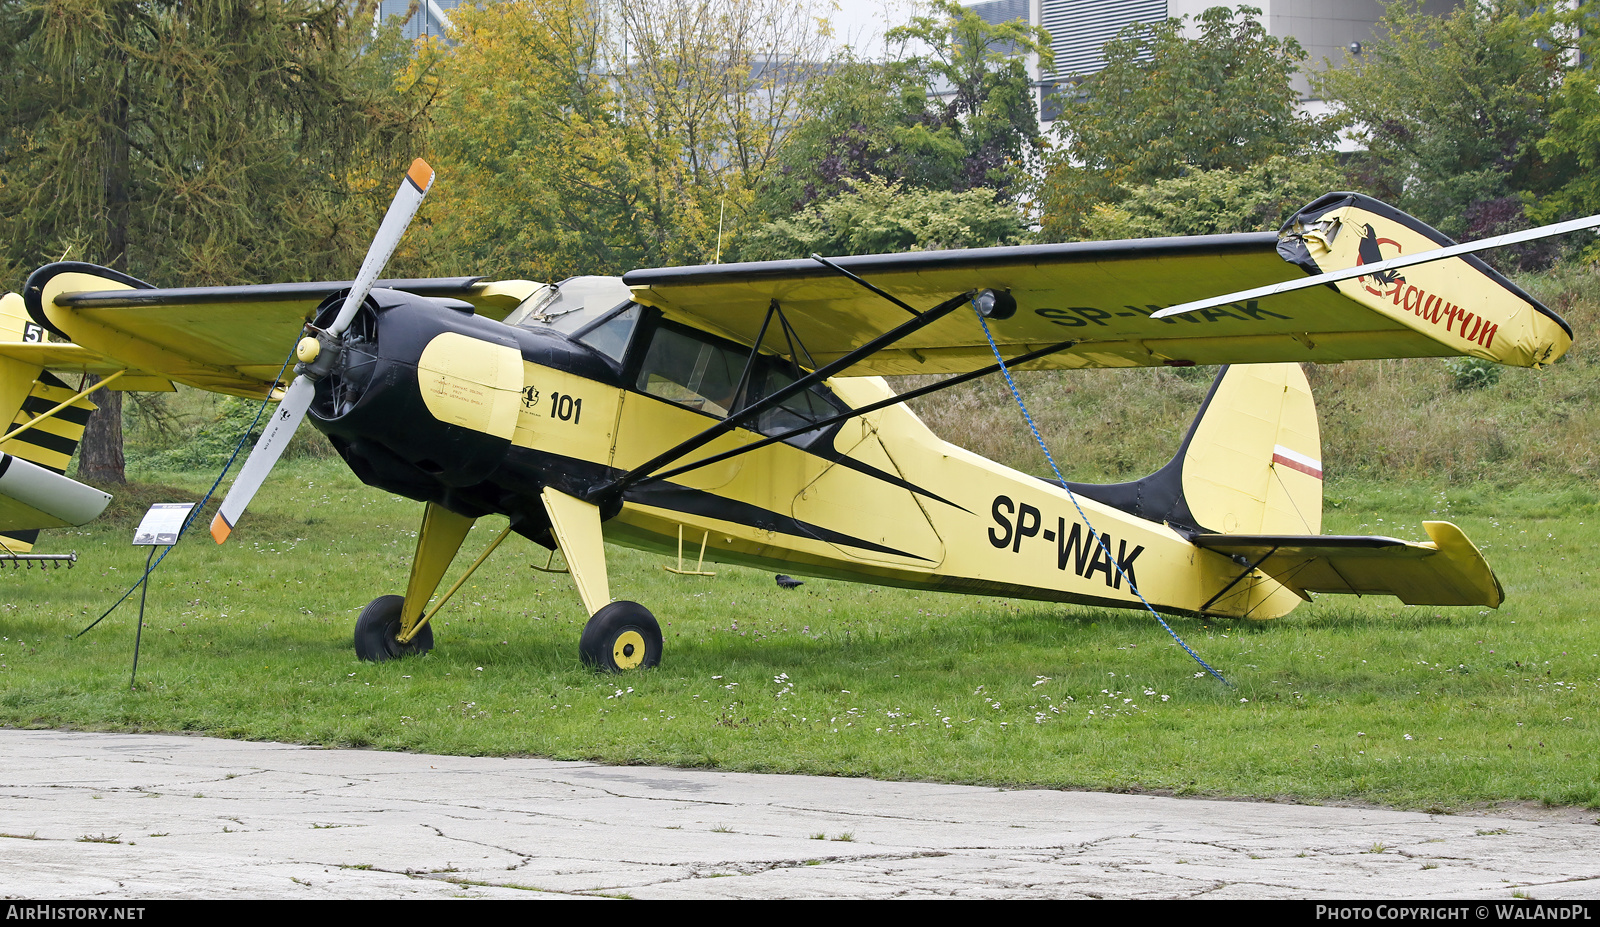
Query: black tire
{"points": [[378, 627], [620, 638]]}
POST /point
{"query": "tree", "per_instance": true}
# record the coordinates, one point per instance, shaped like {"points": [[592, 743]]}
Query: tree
{"points": [[977, 72], [1451, 111], [876, 216], [581, 138], [214, 142], [953, 111], [1164, 106], [1257, 198]]}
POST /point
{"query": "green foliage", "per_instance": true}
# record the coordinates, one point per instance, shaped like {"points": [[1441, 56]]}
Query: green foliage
{"points": [[202, 143], [1469, 373], [953, 111], [979, 70], [1257, 198], [1572, 137], [194, 430], [1165, 106], [1465, 118], [205, 444], [582, 138], [865, 119], [877, 216]]}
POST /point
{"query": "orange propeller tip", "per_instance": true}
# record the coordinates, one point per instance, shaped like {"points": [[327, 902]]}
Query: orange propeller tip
{"points": [[220, 529], [420, 175]]}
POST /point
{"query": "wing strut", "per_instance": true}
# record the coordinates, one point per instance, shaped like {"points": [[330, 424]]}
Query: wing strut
{"points": [[796, 347], [829, 264], [60, 407], [864, 410], [613, 490]]}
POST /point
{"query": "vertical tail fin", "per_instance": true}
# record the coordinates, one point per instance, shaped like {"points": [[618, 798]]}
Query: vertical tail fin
{"points": [[1251, 462]]}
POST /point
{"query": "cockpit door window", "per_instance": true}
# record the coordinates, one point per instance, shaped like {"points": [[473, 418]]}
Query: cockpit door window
{"points": [[691, 371], [694, 370]]}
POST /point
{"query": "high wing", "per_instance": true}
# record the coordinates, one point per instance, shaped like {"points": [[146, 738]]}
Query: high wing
{"points": [[1447, 570], [1103, 293], [224, 339]]}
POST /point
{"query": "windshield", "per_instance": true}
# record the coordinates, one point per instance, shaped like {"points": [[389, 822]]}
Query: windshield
{"points": [[569, 305]]}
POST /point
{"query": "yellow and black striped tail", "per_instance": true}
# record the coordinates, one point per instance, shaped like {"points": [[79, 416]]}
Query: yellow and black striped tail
{"points": [[50, 443]]}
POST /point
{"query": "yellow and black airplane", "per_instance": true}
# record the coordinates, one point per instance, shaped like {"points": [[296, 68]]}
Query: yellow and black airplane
{"points": [[43, 421], [739, 408]]}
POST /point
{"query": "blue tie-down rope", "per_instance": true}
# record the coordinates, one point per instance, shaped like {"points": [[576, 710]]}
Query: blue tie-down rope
{"points": [[1015, 394], [194, 513]]}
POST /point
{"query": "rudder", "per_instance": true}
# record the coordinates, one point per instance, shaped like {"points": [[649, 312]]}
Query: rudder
{"points": [[1250, 463]]}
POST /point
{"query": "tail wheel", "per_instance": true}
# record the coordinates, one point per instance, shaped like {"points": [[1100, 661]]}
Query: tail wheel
{"points": [[378, 629], [620, 638]]}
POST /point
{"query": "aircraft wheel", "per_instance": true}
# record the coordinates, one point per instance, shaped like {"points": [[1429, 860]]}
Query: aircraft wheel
{"points": [[378, 627], [622, 636]]}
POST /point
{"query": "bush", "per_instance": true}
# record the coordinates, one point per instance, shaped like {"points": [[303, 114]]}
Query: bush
{"points": [[1257, 198], [194, 430], [1468, 373]]}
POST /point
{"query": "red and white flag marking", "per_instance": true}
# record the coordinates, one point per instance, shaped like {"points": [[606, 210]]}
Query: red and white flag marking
{"points": [[1296, 461]]}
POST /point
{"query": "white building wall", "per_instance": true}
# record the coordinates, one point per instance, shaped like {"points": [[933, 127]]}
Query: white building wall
{"points": [[1326, 29]]}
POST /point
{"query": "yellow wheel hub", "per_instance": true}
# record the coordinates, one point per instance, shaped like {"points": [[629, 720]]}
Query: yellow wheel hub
{"points": [[627, 651]]}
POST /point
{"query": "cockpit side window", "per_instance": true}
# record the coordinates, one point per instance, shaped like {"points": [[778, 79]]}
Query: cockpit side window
{"points": [[803, 408], [691, 370], [695, 370], [610, 335]]}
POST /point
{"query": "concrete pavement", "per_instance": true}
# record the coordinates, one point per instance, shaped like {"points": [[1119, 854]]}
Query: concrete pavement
{"points": [[123, 816]]}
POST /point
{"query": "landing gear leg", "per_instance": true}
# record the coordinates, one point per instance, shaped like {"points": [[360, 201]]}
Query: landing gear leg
{"points": [[620, 636], [391, 626]]}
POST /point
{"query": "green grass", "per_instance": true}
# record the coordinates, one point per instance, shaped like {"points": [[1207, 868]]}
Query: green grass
{"points": [[1346, 699]]}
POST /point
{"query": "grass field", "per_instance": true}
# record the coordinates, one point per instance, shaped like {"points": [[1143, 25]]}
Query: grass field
{"points": [[1346, 699]]}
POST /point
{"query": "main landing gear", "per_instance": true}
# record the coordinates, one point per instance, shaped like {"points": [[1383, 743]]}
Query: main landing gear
{"points": [[619, 638], [378, 629]]}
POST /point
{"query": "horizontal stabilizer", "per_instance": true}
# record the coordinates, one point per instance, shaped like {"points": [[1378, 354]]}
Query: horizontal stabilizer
{"points": [[1447, 570]]}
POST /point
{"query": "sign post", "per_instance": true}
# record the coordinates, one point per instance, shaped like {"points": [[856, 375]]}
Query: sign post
{"points": [[160, 527]]}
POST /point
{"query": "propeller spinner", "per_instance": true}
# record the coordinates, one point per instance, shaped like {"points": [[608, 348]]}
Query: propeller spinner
{"points": [[319, 350]]}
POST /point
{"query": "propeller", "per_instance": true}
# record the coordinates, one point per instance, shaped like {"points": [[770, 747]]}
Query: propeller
{"points": [[319, 350]]}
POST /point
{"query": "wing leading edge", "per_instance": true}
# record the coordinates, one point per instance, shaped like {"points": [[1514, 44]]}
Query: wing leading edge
{"points": [[1105, 292]]}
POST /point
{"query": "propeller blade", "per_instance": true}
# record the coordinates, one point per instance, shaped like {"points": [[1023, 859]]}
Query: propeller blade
{"points": [[406, 202], [298, 397], [266, 453]]}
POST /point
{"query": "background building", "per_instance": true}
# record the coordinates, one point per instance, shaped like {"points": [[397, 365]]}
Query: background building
{"points": [[429, 20], [1329, 30]]}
